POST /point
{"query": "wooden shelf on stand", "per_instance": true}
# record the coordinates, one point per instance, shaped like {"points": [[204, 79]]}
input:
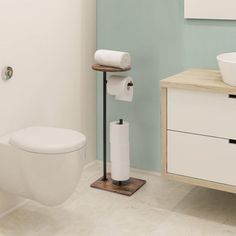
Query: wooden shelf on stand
{"points": [[108, 68]]}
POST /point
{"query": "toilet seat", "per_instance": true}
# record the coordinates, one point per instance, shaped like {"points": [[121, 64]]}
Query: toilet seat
{"points": [[48, 140]]}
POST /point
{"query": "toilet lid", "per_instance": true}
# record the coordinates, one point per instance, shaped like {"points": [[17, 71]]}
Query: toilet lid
{"points": [[48, 140]]}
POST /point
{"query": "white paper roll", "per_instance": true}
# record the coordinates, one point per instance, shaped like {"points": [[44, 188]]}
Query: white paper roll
{"points": [[120, 172], [118, 86], [113, 58], [119, 151], [119, 134]]}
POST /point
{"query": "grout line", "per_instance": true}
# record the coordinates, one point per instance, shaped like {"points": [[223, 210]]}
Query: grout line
{"points": [[92, 163], [13, 208], [99, 162]]}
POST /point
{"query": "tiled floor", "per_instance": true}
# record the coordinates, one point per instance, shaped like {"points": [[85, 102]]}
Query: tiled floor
{"points": [[160, 208]]}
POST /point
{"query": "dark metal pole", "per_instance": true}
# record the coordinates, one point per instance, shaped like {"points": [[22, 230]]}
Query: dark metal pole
{"points": [[104, 126]]}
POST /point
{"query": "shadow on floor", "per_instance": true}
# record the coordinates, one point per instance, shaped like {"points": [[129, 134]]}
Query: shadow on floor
{"points": [[208, 204]]}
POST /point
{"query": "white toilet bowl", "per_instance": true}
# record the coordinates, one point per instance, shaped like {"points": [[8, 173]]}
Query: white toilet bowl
{"points": [[42, 163]]}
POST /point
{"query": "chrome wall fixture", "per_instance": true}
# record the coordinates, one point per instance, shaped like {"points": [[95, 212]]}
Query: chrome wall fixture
{"points": [[7, 73]]}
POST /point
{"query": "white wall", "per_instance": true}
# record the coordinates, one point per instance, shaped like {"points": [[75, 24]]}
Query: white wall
{"points": [[50, 45]]}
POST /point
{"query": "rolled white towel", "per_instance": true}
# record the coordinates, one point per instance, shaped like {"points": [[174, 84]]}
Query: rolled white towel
{"points": [[113, 58]]}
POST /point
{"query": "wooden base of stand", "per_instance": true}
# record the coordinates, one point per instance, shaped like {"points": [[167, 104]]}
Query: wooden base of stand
{"points": [[128, 190]]}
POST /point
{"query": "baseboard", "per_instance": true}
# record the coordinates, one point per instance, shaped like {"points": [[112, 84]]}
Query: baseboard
{"points": [[98, 162], [157, 173], [92, 163]]}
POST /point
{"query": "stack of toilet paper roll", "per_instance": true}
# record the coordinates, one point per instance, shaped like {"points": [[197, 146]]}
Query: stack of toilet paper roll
{"points": [[120, 151]]}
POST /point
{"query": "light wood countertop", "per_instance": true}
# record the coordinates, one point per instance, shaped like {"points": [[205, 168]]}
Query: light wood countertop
{"points": [[198, 79]]}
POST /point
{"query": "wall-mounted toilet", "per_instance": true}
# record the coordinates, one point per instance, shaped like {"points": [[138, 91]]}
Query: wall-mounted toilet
{"points": [[42, 163]]}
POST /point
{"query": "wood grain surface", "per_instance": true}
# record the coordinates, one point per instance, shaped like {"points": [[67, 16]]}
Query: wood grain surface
{"points": [[128, 190], [108, 68]]}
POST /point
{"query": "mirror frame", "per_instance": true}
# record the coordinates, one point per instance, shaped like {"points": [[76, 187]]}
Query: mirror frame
{"points": [[210, 9]]}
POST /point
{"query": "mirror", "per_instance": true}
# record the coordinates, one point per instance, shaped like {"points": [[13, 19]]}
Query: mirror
{"points": [[210, 9]]}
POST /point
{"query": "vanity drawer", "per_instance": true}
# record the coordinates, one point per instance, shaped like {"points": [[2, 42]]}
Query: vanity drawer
{"points": [[212, 114], [201, 157]]}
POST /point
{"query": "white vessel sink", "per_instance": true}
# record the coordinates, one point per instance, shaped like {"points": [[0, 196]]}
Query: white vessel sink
{"points": [[227, 64]]}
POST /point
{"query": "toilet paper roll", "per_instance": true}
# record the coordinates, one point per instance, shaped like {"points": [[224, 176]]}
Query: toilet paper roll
{"points": [[120, 172], [119, 151], [119, 86], [113, 58], [119, 133]]}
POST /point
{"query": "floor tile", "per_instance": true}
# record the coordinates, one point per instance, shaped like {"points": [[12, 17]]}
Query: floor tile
{"points": [[209, 204], [183, 225], [160, 208], [161, 193]]}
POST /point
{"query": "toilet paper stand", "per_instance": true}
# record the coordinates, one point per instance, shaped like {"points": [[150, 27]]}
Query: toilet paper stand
{"points": [[105, 183]]}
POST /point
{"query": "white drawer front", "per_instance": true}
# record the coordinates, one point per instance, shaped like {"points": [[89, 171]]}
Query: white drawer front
{"points": [[201, 157], [201, 113]]}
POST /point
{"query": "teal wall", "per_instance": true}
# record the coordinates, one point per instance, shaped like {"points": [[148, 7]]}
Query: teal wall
{"points": [[161, 43]]}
